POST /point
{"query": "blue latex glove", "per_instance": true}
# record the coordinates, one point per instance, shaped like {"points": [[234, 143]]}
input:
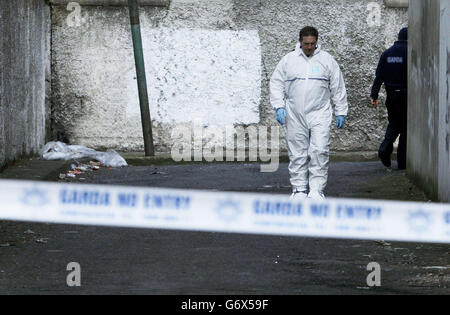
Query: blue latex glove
{"points": [[340, 121], [281, 115]]}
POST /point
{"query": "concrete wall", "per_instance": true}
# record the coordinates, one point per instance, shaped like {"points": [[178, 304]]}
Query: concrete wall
{"points": [[444, 104], [24, 67], [209, 60], [428, 103], [161, 3]]}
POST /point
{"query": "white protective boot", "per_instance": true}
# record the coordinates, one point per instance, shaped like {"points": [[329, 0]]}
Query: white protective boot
{"points": [[316, 195], [298, 196]]}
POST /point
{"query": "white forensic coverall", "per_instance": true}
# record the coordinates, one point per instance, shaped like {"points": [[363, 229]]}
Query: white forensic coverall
{"points": [[304, 86]]}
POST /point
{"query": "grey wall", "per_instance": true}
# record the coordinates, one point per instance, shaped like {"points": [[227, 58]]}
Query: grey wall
{"points": [[444, 104], [24, 67], [113, 2], [93, 85], [428, 100]]}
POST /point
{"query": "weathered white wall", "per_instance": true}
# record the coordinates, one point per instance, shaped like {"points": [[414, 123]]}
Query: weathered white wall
{"points": [[24, 68], [213, 75], [208, 60], [428, 102]]}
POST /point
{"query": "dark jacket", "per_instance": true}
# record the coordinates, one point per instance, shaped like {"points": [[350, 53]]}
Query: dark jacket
{"points": [[392, 70]]}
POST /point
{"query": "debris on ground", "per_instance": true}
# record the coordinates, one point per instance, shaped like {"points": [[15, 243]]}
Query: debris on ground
{"points": [[80, 168], [383, 243], [42, 240], [56, 150], [159, 173]]}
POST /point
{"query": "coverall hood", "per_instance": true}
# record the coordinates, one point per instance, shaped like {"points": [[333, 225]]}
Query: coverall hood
{"points": [[299, 50]]}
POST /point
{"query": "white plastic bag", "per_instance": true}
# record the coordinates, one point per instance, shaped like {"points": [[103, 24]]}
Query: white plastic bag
{"points": [[111, 158], [56, 150]]}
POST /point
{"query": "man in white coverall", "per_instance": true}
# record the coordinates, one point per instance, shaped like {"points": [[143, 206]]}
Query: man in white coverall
{"points": [[300, 91]]}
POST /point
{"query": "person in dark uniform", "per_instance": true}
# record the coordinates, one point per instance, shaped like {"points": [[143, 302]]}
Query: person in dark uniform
{"points": [[393, 72]]}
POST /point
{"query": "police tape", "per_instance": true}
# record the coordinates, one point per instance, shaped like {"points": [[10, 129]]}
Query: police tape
{"points": [[228, 212]]}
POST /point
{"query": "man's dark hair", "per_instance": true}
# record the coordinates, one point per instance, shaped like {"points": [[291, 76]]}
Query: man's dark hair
{"points": [[309, 31]]}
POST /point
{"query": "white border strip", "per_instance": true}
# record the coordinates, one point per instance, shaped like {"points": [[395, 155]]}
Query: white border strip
{"points": [[191, 210]]}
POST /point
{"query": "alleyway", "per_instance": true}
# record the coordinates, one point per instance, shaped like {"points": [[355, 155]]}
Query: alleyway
{"points": [[118, 260]]}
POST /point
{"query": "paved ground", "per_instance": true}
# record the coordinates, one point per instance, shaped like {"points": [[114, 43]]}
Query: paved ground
{"points": [[33, 257]]}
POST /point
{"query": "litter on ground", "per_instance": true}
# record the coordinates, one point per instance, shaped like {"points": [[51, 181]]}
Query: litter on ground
{"points": [[81, 169]]}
